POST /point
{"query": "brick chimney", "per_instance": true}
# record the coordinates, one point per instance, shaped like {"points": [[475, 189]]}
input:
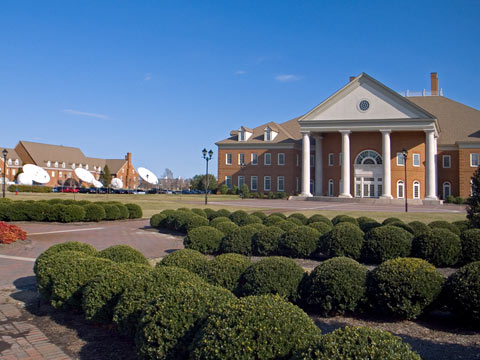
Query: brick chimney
{"points": [[434, 83], [128, 157], [352, 78]]}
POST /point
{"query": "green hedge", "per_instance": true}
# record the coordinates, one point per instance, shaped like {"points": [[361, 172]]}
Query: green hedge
{"points": [[205, 239], [265, 242], [440, 247], [219, 219], [167, 325], [470, 241], [345, 239], [301, 242], [134, 211], [240, 241], [188, 259], [94, 212], [226, 227], [319, 218], [344, 218], [336, 286], [123, 254], [255, 327], [29, 188], [444, 225], [385, 243], [366, 224], [272, 275], [225, 270], [404, 287]]}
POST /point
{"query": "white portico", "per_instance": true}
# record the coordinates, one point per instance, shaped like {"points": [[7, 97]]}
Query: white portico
{"points": [[378, 120]]}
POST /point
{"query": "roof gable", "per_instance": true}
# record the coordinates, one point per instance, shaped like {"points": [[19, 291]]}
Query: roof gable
{"points": [[383, 103]]}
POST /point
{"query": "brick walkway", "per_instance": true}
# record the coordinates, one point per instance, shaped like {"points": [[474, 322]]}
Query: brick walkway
{"points": [[20, 339]]}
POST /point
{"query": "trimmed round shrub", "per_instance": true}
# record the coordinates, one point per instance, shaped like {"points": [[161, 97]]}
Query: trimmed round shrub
{"points": [[68, 280], [272, 220], [345, 239], [94, 212], [401, 225], [194, 222], [239, 217], [470, 240], [462, 225], [344, 218], [321, 227], [462, 291], [336, 286], [439, 247], [298, 216], [286, 225], [444, 225], [239, 241], [366, 224], [124, 214], [210, 213], [419, 228], [251, 219], [156, 220], [199, 212], [225, 270], [385, 243], [112, 212], [43, 267], [358, 343], [38, 211], [300, 242], [319, 218], [226, 227], [295, 221], [265, 242], [72, 213], [205, 239], [178, 220], [54, 212], [259, 214], [187, 259], [256, 328], [218, 220], [123, 254], [223, 212], [272, 275], [141, 292], [392, 219], [404, 287], [134, 211], [167, 325], [18, 211], [279, 214], [101, 294]]}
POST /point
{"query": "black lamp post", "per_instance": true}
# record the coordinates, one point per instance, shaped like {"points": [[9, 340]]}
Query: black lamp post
{"points": [[405, 187], [4, 153], [207, 159]]}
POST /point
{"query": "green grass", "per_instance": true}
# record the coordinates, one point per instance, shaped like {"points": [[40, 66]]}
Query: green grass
{"points": [[152, 204]]}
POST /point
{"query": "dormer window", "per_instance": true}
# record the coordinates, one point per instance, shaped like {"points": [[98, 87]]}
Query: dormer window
{"points": [[56, 164], [49, 163], [244, 133], [17, 162], [80, 166], [63, 165], [269, 134], [9, 161], [241, 135], [86, 166], [73, 166]]}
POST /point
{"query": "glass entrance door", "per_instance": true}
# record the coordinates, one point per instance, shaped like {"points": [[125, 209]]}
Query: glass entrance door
{"points": [[368, 187]]}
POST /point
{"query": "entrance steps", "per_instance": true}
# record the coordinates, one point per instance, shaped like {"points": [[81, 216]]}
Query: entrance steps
{"points": [[379, 201]]}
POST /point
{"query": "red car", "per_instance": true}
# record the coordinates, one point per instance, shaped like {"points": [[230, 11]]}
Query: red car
{"points": [[68, 189]]}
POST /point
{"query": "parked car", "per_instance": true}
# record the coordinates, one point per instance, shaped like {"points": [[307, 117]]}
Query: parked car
{"points": [[68, 189]]}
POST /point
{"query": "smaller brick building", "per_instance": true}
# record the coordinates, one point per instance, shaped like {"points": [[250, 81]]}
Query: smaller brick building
{"points": [[61, 161]]}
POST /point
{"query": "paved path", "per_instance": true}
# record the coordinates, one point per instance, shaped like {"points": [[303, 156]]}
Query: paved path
{"points": [[16, 262]]}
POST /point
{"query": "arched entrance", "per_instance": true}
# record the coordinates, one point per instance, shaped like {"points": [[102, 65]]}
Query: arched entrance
{"points": [[368, 174]]}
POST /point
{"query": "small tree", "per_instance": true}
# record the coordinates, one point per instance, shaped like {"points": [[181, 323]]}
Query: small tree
{"points": [[223, 189], [244, 191], [198, 183], [473, 208], [105, 177]]}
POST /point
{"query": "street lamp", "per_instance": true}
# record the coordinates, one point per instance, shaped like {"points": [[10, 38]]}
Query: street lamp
{"points": [[4, 152], [405, 187], [207, 159]]}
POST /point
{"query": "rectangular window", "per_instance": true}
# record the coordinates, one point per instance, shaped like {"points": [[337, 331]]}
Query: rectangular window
{"points": [[280, 183], [416, 159], [400, 159], [474, 159], [267, 183], [281, 159], [8, 172], [53, 173], [228, 159], [241, 159], [312, 160], [331, 159], [267, 159], [69, 174], [241, 181], [60, 174], [298, 160], [446, 160], [254, 159], [242, 135], [228, 181], [254, 183], [14, 172]]}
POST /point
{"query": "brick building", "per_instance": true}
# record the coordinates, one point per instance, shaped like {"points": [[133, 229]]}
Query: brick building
{"points": [[61, 161], [351, 145]]}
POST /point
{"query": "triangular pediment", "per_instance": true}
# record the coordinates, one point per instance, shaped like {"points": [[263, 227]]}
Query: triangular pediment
{"points": [[364, 98]]}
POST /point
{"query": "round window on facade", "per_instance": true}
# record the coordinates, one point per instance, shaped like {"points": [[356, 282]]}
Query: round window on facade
{"points": [[363, 105]]}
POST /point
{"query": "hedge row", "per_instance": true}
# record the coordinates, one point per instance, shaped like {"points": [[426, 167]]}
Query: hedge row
{"points": [[67, 210], [174, 314], [364, 239], [29, 188]]}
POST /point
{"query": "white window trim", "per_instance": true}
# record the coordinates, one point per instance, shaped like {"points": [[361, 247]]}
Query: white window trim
{"points": [[331, 187], [401, 183], [449, 157], [278, 183], [471, 158], [265, 181], [265, 158], [413, 160], [226, 159], [331, 159], [226, 181], [238, 181], [278, 159], [400, 156], [416, 183], [239, 161], [253, 188], [251, 159], [445, 185]]}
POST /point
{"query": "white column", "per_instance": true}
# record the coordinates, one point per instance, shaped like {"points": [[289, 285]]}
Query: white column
{"points": [[430, 162], [306, 164], [387, 174], [436, 166], [318, 166], [345, 191]]}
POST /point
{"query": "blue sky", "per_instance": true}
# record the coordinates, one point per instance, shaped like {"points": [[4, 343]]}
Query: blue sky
{"points": [[164, 79]]}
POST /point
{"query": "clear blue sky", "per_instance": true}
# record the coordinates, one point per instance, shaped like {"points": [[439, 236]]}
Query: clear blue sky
{"points": [[164, 79]]}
